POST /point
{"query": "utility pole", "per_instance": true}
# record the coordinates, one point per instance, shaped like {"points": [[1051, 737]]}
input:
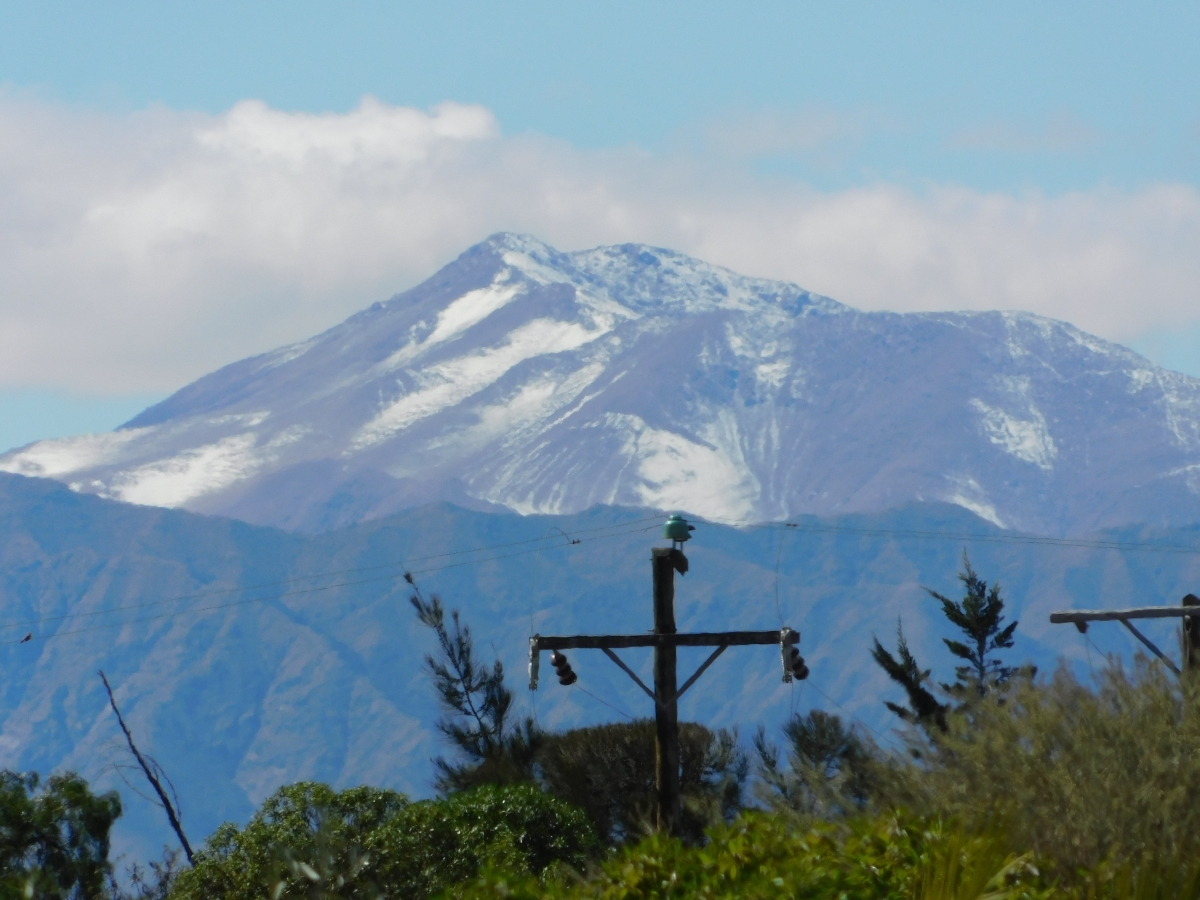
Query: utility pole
{"points": [[665, 639], [1190, 638], [666, 712]]}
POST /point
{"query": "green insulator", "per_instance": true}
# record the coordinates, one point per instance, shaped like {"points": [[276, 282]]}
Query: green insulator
{"points": [[677, 528]]}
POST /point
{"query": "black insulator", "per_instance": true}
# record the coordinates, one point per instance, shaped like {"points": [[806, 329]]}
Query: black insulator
{"points": [[563, 668]]}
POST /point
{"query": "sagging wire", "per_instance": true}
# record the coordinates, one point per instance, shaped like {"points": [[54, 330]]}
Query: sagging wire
{"points": [[301, 592], [889, 741], [605, 702], [301, 578]]}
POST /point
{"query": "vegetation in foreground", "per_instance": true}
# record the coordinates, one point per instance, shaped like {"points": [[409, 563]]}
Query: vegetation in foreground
{"points": [[1008, 787]]}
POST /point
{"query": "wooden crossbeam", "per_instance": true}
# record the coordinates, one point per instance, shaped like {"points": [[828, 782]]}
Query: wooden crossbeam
{"points": [[628, 671], [1117, 615], [1189, 611], [618, 641], [665, 640], [1149, 643], [700, 671]]}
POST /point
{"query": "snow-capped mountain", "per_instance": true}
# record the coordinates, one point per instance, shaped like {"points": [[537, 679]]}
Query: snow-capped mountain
{"points": [[540, 381]]}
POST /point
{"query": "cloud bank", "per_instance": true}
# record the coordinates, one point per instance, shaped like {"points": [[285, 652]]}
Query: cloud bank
{"points": [[140, 251]]}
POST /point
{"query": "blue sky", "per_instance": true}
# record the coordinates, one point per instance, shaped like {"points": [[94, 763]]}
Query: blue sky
{"points": [[1068, 113], [1057, 96]]}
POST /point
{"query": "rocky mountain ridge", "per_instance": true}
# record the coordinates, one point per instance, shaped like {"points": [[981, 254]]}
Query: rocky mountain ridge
{"points": [[522, 378]]}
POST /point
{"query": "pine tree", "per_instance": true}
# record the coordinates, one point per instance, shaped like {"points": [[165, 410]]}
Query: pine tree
{"points": [[826, 772], [979, 615], [923, 708], [477, 704]]}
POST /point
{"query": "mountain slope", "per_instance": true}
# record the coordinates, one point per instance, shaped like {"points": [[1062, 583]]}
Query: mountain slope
{"points": [[245, 657], [538, 381]]}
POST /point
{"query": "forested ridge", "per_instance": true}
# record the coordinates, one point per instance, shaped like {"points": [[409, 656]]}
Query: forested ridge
{"points": [[1001, 783]]}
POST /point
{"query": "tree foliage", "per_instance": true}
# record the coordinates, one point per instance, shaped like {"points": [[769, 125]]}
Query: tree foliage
{"points": [[923, 708], [54, 836], [310, 841], [1086, 777], [301, 825], [477, 707], [979, 616], [826, 772], [518, 828], [608, 771], [888, 857]]}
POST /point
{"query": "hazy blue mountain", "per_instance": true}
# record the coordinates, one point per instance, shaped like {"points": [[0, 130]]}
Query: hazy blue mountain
{"points": [[246, 657], [523, 378]]}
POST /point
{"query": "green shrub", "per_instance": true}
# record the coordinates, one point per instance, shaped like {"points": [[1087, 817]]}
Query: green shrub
{"points": [[300, 825], [779, 856], [308, 840], [1085, 778], [54, 837], [436, 843]]}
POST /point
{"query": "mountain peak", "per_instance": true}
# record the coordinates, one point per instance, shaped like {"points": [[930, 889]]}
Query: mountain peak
{"points": [[523, 377]]}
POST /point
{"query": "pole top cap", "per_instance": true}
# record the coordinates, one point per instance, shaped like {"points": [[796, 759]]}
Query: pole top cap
{"points": [[677, 528]]}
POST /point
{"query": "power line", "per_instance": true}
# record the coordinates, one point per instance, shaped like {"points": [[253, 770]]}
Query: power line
{"points": [[970, 537], [605, 702], [621, 528], [201, 609], [305, 591], [1081, 543], [887, 740]]}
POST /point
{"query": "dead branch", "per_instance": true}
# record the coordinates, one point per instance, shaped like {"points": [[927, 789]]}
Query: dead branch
{"points": [[155, 782]]}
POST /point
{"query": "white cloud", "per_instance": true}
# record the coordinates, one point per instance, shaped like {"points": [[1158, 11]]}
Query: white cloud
{"points": [[827, 136], [140, 251], [1061, 133]]}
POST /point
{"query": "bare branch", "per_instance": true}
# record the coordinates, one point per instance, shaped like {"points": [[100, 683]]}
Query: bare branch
{"points": [[155, 782]]}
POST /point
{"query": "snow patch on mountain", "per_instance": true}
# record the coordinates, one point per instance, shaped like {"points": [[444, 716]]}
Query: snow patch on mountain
{"points": [[675, 472], [1025, 437], [176, 480], [969, 494], [63, 456], [469, 309], [449, 383]]}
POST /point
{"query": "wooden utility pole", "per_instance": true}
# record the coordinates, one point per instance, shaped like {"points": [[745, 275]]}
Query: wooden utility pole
{"points": [[1190, 643], [666, 711], [1191, 636], [666, 561]]}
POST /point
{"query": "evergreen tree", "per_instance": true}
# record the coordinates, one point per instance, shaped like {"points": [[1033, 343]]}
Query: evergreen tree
{"points": [[478, 705], [608, 771], [923, 708], [980, 616], [826, 769]]}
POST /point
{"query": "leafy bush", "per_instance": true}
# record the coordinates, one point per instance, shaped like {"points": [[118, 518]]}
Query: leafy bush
{"points": [[54, 836], [308, 840], [304, 835], [436, 843], [1085, 778], [779, 856]]}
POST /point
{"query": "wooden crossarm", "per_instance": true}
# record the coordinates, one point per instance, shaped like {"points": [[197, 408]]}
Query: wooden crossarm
{"points": [[1117, 615], [1081, 617], [785, 638], [617, 641]]}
